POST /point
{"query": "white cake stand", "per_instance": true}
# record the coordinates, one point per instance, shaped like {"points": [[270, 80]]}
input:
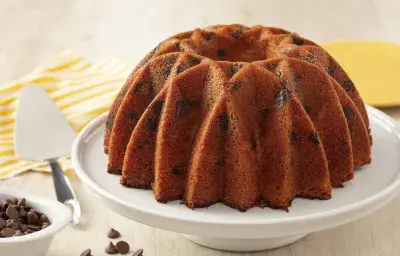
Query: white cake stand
{"points": [[223, 228]]}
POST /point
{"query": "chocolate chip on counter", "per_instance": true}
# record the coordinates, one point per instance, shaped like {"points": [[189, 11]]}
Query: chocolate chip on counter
{"points": [[112, 233], [19, 233], [12, 212], [138, 253], [110, 249], [32, 217], [8, 232], [21, 202], [86, 252], [122, 247]]}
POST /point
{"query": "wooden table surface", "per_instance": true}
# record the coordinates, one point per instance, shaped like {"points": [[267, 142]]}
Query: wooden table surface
{"points": [[33, 31]]}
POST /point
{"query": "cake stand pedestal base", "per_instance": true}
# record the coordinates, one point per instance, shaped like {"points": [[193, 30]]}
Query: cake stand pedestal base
{"points": [[244, 245]]}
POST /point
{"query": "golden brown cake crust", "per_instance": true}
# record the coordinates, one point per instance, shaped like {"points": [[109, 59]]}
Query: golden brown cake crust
{"points": [[245, 116]]}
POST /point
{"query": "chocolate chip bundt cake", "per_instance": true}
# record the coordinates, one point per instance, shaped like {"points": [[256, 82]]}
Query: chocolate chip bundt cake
{"points": [[246, 116]]}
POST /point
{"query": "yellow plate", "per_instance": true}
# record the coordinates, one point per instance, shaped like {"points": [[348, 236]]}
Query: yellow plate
{"points": [[374, 68]]}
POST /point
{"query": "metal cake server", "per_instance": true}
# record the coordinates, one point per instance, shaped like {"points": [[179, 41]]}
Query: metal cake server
{"points": [[43, 134]]}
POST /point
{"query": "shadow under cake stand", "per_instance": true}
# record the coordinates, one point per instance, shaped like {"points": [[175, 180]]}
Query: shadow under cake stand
{"points": [[223, 228]]}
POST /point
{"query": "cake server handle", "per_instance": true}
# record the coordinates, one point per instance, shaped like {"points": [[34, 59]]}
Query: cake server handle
{"points": [[64, 191]]}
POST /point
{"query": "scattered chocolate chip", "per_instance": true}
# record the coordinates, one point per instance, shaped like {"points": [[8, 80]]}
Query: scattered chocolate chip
{"points": [[138, 87], [151, 125], [122, 247], [8, 232], [313, 137], [21, 202], [158, 106], [348, 112], [237, 33], [282, 96], [180, 68], [176, 170], [349, 86], [112, 233], [12, 212], [224, 121], [19, 233], [221, 53], [297, 40], [208, 36], [110, 249], [138, 253], [293, 138], [32, 218], [86, 252], [307, 108]]}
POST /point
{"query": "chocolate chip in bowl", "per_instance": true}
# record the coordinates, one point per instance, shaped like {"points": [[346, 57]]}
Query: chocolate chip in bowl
{"points": [[27, 226]]}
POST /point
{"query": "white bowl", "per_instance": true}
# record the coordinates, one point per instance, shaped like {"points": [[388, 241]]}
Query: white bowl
{"points": [[221, 227], [35, 244]]}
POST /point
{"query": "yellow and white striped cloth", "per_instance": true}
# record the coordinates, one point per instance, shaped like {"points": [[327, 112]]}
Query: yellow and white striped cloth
{"points": [[80, 89]]}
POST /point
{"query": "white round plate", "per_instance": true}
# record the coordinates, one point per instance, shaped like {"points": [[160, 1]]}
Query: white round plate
{"points": [[224, 228]]}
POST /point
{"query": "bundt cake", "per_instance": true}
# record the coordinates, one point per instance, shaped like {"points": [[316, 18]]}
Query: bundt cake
{"points": [[245, 116]]}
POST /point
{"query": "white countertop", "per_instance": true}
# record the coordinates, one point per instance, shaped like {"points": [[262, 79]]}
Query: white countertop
{"points": [[33, 31]]}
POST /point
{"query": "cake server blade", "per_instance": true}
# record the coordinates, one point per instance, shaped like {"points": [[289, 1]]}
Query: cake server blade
{"points": [[43, 134]]}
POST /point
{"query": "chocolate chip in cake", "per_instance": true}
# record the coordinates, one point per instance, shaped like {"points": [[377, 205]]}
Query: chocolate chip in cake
{"points": [[110, 122], [150, 90], [313, 137], [278, 73], [170, 59], [158, 107], [297, 40], [123, 92], [307, 108], [330, 70], [293, 138], [271, 67], [348, 112], [224, 121], [167, 72], [138, 87], [122, 247], [182, 107], [285, 83], [281, 96], [234, 85], [86, 252], [283, 31], [151, 125], [349, 86], [237, 33], [221, 53], [309, 58], [265, 113], [112, 233], [180, 68], [220, 162], [12, 212], [235, 68], [138, 252], [297, 78], [209, 35], [110, 249], [253, 142], [194, 62], [176, 170], [131, 116]]}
